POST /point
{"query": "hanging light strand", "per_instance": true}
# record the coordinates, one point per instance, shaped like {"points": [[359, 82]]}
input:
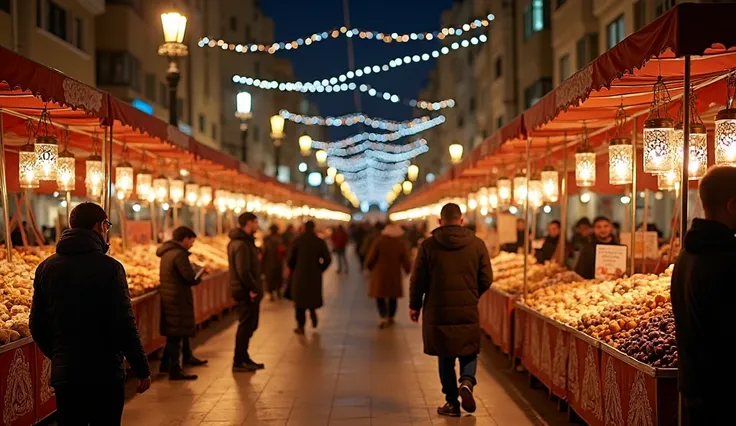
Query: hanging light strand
{"points": [[348, 120]]}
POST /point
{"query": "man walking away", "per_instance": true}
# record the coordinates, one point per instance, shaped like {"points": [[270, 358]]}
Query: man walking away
{"points": [[702, 297], [339, 244], [451, 272], [178, 276], [246, 287], [308, 259], [386, 259], [274, 252], [81, 292], [603, 235]]}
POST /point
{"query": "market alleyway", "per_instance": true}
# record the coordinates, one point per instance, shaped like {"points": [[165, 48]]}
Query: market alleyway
{"points": [[347, 372]]}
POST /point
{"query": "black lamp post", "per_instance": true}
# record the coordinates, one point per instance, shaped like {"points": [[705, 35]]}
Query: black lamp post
{"points": [[244, 105], [174, 25]]}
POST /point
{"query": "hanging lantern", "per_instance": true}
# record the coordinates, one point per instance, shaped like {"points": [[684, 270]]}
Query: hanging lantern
{"points": [[28, 167], [585, 163], [520, 188], [66, 172], [725, 134], [47, 153], [124, 180], [205, 195], [176, 190], [456, 152], [221, 198], [232, 201], [191, 196], [472, 201], [94, 177], [482, 197], [550, 184], [659, 143], [698, 142], [669, 181], [413, 172], [160, 191], [493, 198], [536, 193], [144, 184], [504, 192], [620, 153]]}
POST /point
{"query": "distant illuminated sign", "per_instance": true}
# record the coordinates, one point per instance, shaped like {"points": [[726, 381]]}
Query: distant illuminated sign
{"points": [[142, 106]]}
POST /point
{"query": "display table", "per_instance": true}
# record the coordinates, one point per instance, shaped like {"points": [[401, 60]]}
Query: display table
{"points": [[496, 318]]}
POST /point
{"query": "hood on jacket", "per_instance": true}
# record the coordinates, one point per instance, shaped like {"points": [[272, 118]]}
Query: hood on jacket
{"points": [[168, 246], [392, 230], [453, 237], [79, 241], [707, 236], [239, 234]]}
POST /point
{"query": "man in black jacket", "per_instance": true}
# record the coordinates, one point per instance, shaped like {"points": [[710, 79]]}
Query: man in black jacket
{"points": [[83, 321], [602, 235], [702, 294], [178, 276], [246, 286], [451, 272]]}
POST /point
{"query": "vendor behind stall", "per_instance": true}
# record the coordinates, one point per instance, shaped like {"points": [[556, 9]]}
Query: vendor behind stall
{"points": [[549, 247], [602, 234]]}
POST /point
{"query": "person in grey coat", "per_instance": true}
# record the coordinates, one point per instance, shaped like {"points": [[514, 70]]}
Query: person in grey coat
{"points": [[308, 259], [178, 276]]}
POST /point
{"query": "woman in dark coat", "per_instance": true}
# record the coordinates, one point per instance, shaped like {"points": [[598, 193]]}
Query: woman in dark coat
{"points": [[178, 276], [388, 256], [309, 257], [274, 252]]}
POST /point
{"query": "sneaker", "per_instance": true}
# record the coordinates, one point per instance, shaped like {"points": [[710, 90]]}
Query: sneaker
{"points": [[244, 367], [449, 410], [313, 316], [177, 374], [194, 361], [299, 331], [466, 396]]}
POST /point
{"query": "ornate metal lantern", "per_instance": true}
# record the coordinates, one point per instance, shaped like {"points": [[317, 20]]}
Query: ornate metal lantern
{"points": [[725, 135], [620, 153], [191, 196], [27, 166], [160, 189], [659, 143]]}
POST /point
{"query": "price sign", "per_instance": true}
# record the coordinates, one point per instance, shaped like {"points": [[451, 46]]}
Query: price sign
{"points": [[647, 244], [610, 260], [507, 228]]}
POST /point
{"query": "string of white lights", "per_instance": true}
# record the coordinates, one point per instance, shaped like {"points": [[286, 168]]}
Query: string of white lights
{"points": [[346, 32], [351, 120], [376, 146], [355, 165], [378, 137], [391, 175]]}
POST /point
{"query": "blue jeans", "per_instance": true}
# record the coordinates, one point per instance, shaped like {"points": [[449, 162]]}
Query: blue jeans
{"points": [[468, 367]]}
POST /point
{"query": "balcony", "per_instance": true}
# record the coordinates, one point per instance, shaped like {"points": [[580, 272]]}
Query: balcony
{"points": [[95, 7]]}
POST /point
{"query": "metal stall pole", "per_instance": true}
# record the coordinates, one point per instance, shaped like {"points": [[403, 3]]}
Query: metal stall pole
{"points": [[154, 230], [563, 204], [526, 215], [4, 190], [634, 143], [68, 199], [107, 155]]}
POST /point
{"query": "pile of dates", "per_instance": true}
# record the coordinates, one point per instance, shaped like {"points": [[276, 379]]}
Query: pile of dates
{"points": [[653, 341]]}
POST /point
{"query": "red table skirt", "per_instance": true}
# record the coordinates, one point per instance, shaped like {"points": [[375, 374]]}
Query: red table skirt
{"points": [[496, 310]]}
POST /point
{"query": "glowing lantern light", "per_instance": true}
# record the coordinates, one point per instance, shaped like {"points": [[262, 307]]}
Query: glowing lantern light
{"points": [[47, 154], [160, 191], [407, 187], [123, 180], [456, 153], [66, 172], [320, 155], [520, 188], [192, 194], [504, 191], [413, 172], [176, 191], [550, 184], [28, 167], [659, 144], [725, 134], [536, 193], [305, 145], [143, 184], [620, 154], [205, 195]]}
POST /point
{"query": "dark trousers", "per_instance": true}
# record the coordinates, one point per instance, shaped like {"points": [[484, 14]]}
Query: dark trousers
{"points": [[301, 316], [386, 307], [90, 404], [342, 261], [468, 367], [175, 348], [700, 413], [247, 325]]}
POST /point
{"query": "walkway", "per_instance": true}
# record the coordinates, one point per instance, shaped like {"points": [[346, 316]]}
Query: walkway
{"points": [[347, 372]]}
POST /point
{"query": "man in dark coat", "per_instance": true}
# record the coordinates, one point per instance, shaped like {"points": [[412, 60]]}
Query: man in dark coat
{"points": [[83, 321], [308, 259], [549, 247], [451, 272], [178, 276], [247, 289], [702, 294], [602, 235], [274, 252]]}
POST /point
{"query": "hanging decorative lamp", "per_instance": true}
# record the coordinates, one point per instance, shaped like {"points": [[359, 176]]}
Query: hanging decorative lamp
{"points": [[698, 146], [550, 179], [66, 171], [482, 197], [503, 184], [124, 177], [221, 199], [191, 191], [669, 181], [536, 192], [520, 184], [472, 201], [27, 165], [620, 153], [160, 191], [585, 163], [47, 148], [176, 190], [725, 134], [143, 184], [493, 199], [205, 195], [659, 143], [94, 174]]}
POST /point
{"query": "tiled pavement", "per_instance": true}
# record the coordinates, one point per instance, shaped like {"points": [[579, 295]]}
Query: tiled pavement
{"points": [[346, 372]]}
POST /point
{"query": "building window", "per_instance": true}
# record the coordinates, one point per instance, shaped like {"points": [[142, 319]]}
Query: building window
{"points": [[163, 91], [662, 6], [586, 49], [5, 5], [118, 69], [499, 121], [214, 131], [202, 124], [640, 14], [536, 17], [498, 66], [536, 91], [149, 86], [615, 31], [79, 33], [56, 22], [564, 67], [233, 24]]}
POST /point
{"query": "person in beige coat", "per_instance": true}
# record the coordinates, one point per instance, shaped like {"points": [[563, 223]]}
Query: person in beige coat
{"points": [[388, 256]]}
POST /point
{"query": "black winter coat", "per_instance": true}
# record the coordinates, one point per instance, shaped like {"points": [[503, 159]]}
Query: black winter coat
{"points": [[81, 317], [585, 266], [309, 257], [703, 290], [243, 266], [177, 277], [452, 270], [549, 247]]}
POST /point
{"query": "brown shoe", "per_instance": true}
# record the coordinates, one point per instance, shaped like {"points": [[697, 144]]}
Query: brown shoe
{"points": [[466, 396]]}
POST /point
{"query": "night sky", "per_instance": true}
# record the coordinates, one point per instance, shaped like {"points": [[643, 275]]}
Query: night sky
{"points": [[294, 19]]}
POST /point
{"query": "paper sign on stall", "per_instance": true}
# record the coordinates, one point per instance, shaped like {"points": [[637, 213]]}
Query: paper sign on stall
{"points": [[610, 261], [507, 228], [647, 244]]}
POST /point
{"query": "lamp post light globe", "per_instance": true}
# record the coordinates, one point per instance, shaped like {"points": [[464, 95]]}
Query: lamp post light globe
{"points": [[331, 172], [174, 27], [243, 111], [305, 144], [413, 172], [277, 134], [321, 156], [456, 153]]}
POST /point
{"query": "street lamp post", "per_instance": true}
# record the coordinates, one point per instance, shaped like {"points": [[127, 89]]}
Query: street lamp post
{"points": [[277, 134], [174, 25], [244, 103]]}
